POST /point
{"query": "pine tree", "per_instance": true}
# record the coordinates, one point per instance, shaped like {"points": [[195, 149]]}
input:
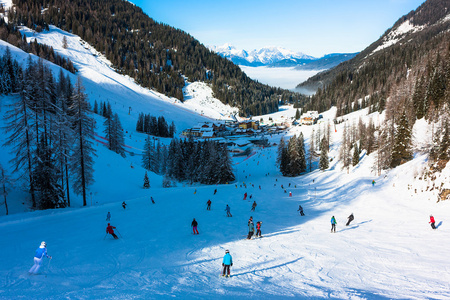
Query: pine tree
{"points": [[355, 159], [302, 152], [401, 150], [344, 151], [323, 160], [444, 143], [148, 155], [281, 146], [146, 181], [82, 162], [297, 114], [312, 150], [4, 182]]}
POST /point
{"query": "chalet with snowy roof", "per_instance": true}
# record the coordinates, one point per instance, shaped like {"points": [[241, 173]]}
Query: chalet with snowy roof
{"points": [[309, 118]]}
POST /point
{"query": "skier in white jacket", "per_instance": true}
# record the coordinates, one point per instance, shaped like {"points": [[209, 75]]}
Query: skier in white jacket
{"points": [[38, 257]]}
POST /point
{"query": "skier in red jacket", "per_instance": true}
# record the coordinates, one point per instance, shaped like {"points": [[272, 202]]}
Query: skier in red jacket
{"points": [[432, 222], [110, 230]]}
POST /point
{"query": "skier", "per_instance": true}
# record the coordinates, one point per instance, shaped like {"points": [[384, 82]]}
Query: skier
{"points": [[227, 263], [300, 209], [38, 257], [195, 192], [227, 209], [432, 222], [333, 224], [108, 216], [209, 205], [290, 194], [194, 225], [109, 229], [259, 187], [153, 201], [251, 196], [253, 206], [258, 228], [215, 191], [250, 220], [245, 196], [124, 205], [373, 182], [350, 218], [251, 230]]}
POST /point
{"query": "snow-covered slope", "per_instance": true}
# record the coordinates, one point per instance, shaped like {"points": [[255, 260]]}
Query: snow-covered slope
{"points": [[388, 252], [128, 100]]}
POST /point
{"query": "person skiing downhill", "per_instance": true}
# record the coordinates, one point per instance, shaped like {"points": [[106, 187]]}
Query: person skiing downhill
{"points": [[215, 191], [300, 209], [251, 230], [258, 228], [38, 257], [124, 205], [245, 196], [333, 224], [227, 262], [153, 201], [432, 222], [350, 219], [208, 207], [253, 206], [108, 216], [194, 225], [227, 209], [109, 229]]}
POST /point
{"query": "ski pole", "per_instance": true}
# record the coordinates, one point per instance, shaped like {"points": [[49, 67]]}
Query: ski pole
{"points": [[118, 232], [105, 236]]}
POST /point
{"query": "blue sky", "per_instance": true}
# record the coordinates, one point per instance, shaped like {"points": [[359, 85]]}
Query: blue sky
{"points": [[314, 27]]}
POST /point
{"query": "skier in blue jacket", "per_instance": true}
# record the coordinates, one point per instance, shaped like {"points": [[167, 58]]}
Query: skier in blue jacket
{"points": [[38, 257], [333, 224], [227, 263]]}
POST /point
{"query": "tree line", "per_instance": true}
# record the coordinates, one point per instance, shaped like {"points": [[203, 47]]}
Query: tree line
{"points": [[50, 133], [149, 124], [206, 162]]}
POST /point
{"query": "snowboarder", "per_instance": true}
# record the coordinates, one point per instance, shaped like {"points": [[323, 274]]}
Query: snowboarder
{"points": [[153, 201], [215, 191], [38, 257], [258, 228], [227, 263], [194, 225], [245, 196], [432, 222], [251, 230], [227, 209], [124, 205], [300, 209], [208, 207], [350, 218], [253, 206], [108, 216], [109, 229], [333, 224]]}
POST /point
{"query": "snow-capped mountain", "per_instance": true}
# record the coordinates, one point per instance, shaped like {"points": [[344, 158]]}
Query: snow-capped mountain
{"points": [[261, 57]]}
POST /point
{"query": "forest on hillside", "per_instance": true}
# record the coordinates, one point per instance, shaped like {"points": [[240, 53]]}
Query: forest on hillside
{"points": [[156, 55]]}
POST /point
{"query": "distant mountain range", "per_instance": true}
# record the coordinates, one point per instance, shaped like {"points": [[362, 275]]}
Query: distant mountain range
{"points": [[280, 57]]}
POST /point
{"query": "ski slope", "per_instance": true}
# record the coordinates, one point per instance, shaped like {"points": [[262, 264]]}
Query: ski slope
{"points": [[388, 252]]}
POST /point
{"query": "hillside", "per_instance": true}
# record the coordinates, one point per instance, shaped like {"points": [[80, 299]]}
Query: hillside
{"points": [[155, 55], [411, 49]]}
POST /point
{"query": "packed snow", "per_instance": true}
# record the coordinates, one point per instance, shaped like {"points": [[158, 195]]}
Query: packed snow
{"points": [[396, 35], [388, 252]]}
